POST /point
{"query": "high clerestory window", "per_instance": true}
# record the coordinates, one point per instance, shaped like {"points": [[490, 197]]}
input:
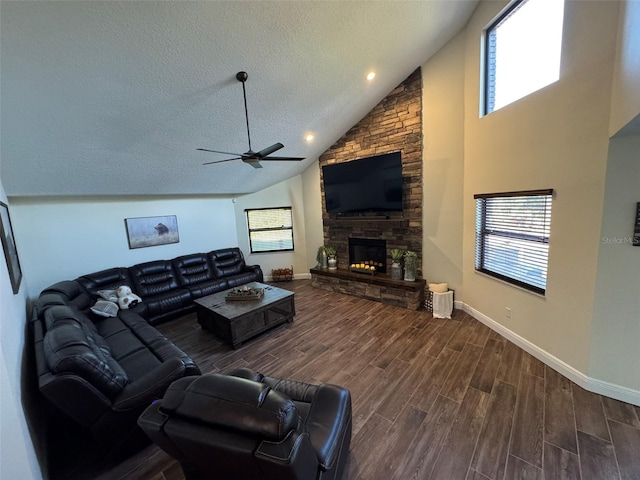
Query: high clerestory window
{"points": [[522, 50], [270, 229], [512, 237]]}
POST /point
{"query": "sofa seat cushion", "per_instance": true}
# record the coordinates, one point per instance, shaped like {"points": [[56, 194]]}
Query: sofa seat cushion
{"points": [[128, 349], [238, 279], [208, 288], [164, 303], [159, 345]]}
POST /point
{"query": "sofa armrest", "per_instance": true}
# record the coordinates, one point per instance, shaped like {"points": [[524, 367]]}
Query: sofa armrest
{"points": [[74, 396], [256, 270], [329, 422], [151, 386], [248, 374]]}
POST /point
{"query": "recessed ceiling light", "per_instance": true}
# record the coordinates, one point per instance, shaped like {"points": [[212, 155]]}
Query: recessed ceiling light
{"points": [[309, 137], [371, 76]]}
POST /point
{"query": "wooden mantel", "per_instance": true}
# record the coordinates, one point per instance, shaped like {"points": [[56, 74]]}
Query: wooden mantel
{"points": [[378, 287]]}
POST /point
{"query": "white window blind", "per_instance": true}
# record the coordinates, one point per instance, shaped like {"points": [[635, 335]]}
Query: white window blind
{"points": [[512, 237], [270, 229]]}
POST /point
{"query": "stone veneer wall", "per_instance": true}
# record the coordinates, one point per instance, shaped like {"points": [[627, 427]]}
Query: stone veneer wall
{"points": [[395, 124]]}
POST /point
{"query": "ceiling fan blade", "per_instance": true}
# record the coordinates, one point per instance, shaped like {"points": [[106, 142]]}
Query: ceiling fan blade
{"points": [[225, 160], [253, 163], [282, 159], [269, 150], [218, 151]]}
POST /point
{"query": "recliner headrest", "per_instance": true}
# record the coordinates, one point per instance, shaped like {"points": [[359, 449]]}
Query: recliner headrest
{"points": [[232, 402]]}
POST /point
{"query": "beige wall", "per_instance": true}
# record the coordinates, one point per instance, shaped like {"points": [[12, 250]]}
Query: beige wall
{"points": [[625, 101], [314, 235], [615, 356], [283, 194], [443, 170], [554, 138]]}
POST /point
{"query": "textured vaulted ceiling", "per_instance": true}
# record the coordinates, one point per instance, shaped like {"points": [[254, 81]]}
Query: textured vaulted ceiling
{"points": [[113, 98]]}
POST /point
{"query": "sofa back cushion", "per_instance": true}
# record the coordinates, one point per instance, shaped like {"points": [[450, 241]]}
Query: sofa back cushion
{"points": [[73, 346], [227, 261], [153, 278], [192, 269], [58, 315], [74, 294], [109, 279]]}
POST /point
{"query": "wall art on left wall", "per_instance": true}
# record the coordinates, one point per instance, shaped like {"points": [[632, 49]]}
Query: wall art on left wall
{"points": [[9, 247], [152, 231]]}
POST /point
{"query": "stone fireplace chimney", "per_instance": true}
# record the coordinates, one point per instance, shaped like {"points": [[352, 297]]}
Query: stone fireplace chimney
{"points": [[395, 124]]}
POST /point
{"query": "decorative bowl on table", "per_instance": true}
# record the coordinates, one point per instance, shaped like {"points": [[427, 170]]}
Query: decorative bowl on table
{"points": [[245, 293]]}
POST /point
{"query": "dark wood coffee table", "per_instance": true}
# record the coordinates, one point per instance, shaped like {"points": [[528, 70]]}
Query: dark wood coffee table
{"points": [[240, 320]]}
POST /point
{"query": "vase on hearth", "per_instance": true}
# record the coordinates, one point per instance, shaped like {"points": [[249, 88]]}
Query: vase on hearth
{"points": [[396, 267], [396, 271], [410, 261]]}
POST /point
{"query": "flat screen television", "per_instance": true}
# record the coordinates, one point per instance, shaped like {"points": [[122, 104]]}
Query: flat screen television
{"points": [[371, 184]]}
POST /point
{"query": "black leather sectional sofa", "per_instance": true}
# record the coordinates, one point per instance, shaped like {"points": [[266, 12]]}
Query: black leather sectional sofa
{"points": [[104, 371]]}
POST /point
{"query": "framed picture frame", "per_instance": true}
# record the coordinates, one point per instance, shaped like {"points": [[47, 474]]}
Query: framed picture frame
{"points": [[152, 231], [10, 250]]}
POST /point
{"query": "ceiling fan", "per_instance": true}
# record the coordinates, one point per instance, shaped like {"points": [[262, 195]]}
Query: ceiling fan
{"points": [[251, 157]]}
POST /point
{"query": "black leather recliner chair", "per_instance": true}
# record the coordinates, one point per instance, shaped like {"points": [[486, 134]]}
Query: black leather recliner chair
{"points": [[245, 426]]}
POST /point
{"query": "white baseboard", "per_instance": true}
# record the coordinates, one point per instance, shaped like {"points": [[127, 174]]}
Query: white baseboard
{"points": [[607, 389]]}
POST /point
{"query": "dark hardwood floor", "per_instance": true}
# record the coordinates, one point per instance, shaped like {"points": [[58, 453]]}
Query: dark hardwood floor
{"points": [[432, 398]]}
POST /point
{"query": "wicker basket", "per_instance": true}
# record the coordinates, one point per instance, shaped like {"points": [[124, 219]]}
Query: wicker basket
{"points": [[282, 274], [428, 299]]}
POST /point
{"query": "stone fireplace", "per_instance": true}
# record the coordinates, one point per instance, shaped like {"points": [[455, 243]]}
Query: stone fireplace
{"points": [[369, 251], [394, 125]]}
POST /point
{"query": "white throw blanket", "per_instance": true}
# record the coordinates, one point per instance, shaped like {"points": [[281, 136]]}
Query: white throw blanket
{"points": [[442, 304]]}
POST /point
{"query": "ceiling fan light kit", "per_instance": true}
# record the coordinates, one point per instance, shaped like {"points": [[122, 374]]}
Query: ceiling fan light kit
{"points": [[251, 157]]}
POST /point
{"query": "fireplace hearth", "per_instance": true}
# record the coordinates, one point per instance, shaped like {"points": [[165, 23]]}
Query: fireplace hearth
{"points": [[370, 251]]}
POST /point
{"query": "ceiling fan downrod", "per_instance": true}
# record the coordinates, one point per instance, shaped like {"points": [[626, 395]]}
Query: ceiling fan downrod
{"points": [[242, 77]]}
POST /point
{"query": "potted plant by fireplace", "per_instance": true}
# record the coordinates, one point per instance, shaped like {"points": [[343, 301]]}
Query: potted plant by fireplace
{"points": [[321, 257], [396, 268], [332, 261], [410, 262]]}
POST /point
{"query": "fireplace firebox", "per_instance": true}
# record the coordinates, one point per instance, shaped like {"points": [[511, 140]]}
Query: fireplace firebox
{"points": [[370, 251]]}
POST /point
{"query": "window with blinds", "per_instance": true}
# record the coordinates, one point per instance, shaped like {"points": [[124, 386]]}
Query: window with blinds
{"points": [[512, 237], [270, 229], [522, 50]]}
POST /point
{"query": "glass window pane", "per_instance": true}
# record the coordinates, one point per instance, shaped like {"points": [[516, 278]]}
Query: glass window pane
{"points": [[512, 237], [523, 51], [270, 229]]}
